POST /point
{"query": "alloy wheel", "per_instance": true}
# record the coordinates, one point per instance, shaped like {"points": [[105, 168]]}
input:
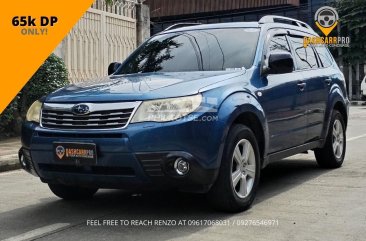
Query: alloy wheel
{"points": [[243, 168], [338, 139]]}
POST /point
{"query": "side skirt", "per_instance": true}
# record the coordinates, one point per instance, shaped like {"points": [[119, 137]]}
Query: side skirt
{"points": [[291, 151]]}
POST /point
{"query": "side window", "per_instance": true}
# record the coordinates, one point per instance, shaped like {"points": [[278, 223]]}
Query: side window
{"points": [[324, 56], [278, 43], [304, 57]]}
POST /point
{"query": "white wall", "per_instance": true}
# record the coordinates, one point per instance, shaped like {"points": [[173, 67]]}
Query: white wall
{"points": [[103, 35]]}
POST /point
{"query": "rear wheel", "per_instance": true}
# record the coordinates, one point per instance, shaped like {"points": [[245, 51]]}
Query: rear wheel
{"points": [[72, 192], [333, 152], [236, 185]]}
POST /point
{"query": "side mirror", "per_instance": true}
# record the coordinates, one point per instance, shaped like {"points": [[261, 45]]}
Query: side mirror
{"points": [[112, 68], [279, 63]]}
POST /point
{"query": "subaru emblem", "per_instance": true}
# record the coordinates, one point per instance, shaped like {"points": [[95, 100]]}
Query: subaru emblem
{"points": [[80, 109]]}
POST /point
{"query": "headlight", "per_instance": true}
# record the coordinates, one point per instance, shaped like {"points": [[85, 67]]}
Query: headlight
{"points": [[34, 112], [164, 110]]}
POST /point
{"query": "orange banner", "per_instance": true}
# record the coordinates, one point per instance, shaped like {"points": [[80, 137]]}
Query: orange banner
{"points": [[30, 31]]}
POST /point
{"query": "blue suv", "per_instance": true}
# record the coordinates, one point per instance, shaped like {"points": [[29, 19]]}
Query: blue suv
{"points": [[199, 108]]}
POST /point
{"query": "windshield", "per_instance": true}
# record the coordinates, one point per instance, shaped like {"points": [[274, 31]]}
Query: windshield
{"points": [[196, 50]]}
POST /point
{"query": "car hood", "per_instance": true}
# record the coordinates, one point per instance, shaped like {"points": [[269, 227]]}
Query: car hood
{"points": [[140, 86]]}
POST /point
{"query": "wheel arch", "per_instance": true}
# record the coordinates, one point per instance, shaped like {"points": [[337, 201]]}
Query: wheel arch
{"points": [[252, 121], [243, 108], [343, 110], [336, 101]]}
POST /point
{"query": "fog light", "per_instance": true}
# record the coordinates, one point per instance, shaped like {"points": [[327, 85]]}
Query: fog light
{"points": [[181, 166]]}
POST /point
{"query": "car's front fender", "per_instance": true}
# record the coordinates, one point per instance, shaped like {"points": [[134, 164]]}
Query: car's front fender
{"points": [[236, 105]]}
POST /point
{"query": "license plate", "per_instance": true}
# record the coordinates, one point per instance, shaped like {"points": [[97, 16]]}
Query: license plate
{"points": [[77, 153]]}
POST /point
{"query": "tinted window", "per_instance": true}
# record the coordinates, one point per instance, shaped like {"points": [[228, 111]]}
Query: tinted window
{"points": [[324, 56], [198, 50], [279, 43], [305, 57]]}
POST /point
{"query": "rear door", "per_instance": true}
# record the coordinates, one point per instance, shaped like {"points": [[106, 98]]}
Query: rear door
{"points": [[283, 98], [326, 74], [316, 80]]}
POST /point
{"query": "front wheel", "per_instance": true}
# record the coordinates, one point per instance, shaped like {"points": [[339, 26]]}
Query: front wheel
{"points": [[236, 185], [72, 192], [333, 152]]}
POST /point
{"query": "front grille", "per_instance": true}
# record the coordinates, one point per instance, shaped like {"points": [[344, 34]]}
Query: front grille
{"points": [[97, 120], [101, 116]]}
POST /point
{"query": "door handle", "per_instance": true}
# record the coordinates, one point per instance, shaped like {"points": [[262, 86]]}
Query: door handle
{"points": [[328, 81], [301, 85]]}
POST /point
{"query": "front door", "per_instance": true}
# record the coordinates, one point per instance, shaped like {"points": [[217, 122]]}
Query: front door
{"points": [[284, 98]]}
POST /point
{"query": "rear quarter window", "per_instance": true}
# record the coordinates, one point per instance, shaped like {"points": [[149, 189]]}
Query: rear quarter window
{"points": [[323, 53]]}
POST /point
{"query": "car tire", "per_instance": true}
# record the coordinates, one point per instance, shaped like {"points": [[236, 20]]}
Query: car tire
{"points": [[228, 193], [333, 153], [71, 192]]}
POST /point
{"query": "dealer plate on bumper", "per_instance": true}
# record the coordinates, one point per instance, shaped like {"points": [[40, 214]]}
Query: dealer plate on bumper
{"points": [[74, 152]]}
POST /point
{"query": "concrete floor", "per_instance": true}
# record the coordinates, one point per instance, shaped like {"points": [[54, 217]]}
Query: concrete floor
{"points": [[306, 203]]}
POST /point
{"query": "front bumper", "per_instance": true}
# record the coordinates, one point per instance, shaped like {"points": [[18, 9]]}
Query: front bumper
{"points": [[139, 157]]}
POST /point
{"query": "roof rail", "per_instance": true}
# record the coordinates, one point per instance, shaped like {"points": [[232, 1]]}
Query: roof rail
{"points": [[179, 25], [285, 20]]}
